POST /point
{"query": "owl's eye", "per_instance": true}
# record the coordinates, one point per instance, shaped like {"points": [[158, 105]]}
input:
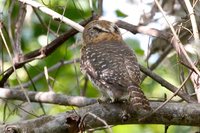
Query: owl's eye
{"points": [[94, 31], [97, 29]]}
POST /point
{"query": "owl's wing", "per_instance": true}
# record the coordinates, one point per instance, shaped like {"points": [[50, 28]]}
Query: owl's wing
{"points": [[113, 63], [132, 68], [86, 65], [121, 66]]}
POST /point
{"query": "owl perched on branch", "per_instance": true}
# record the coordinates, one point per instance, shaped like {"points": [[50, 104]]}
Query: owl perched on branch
{"points": [[111, 65]]}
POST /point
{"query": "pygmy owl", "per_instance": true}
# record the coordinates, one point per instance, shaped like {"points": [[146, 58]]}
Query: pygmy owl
{"points": [[110, 64]]}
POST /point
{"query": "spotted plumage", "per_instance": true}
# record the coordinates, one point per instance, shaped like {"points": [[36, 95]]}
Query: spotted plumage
{"points": [[110, 64]]}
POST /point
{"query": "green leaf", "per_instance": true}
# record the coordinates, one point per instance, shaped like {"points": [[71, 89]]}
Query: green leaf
{"points": [[120, 14], [134, 44]]}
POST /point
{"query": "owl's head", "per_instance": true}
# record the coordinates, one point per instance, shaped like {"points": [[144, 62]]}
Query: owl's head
{"points": [[101, 30]]}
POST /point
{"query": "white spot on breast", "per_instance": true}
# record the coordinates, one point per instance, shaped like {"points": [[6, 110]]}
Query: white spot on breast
{"points": [[110, 94], [110, 61], [103, 66], [105, 72], [100, 62], [94, 59], [98, 56], [93, 54]]}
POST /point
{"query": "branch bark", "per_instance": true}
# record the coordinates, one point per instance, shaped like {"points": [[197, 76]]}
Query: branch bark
{"points": [[46, 97], [53, 14], [70, 122]]}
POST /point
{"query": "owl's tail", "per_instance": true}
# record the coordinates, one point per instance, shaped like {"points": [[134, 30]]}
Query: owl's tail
{"points": [[138, 100]]}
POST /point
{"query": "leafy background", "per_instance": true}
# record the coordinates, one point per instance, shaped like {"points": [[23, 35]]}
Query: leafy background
{"points": [[68, 79]]}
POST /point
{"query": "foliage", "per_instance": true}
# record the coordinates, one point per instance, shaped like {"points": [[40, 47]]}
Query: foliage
{"points": [[67, 79]]}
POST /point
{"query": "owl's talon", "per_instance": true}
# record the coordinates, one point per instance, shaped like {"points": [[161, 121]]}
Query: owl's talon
{"points": [[125, 100], [100, 101], [105, 100]]}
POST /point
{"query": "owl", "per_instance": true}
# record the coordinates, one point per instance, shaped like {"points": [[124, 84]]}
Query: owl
{"points": [[111, 65]]}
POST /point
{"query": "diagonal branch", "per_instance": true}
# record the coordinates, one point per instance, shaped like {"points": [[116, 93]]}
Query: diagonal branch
{"points": [[53, 14], [42, 52], [166, 84]]}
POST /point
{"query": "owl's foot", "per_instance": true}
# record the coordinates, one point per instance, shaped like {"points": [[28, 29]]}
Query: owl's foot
{"points": [[111, 100], [123, 99], [105, 100]]}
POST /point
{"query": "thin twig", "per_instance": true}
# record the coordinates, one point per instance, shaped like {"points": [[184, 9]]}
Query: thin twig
{"points": [[193, 20], [159, 60], [18, 31], [177, 43], [16, 74], [194, 77], [24, 110], [98, 118], [50, 69], [163, 104], [175, 93]]}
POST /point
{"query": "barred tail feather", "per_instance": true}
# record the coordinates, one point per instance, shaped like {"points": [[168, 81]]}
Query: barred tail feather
{"points": [[138, 99]]}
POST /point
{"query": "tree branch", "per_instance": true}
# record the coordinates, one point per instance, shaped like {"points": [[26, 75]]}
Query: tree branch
{"points": [[42, 52], [146, 71], [178, 46], [166, 84], [193, 20], [53, 14], [46, 97], [69, 122]]}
